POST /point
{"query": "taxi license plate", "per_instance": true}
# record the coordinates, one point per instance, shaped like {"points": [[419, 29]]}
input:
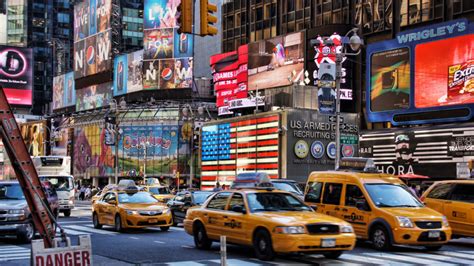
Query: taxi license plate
{"points": [[433, 234], [152, 221], [328, 243]]}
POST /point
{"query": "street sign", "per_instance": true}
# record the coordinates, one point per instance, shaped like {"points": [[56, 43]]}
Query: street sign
{"points": [[80, 255], [334, 118], [349, 139]]}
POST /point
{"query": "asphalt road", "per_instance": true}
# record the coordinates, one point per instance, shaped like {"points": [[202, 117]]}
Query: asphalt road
{"points": [[175, 247]]}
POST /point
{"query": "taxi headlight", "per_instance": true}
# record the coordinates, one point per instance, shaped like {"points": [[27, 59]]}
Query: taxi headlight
{"points": [[16, 211], [289, 230], [347, 229], [404, 222], [445, 221], [131, 212]]}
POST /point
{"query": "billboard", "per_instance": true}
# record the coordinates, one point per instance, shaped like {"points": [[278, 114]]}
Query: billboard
{"points": [[34, 135], [16, 74], [64, 93], [276, 62], [92, 37], [167, 55], [94, 96], [229, 72], [422, 73], [128, 73]]}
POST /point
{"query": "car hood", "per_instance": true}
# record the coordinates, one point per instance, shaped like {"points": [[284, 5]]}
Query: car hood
{"points": [[12, 204], [415, 213], [141, 206], [298, 218]]}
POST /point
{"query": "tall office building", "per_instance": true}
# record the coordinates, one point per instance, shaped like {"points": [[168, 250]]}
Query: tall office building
{"points": [[132, 22]]}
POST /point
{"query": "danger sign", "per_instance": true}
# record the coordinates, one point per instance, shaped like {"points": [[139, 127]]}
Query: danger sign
{"points": [[80, 255]]}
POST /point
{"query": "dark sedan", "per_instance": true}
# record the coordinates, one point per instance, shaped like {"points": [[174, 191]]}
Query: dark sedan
{"points": [[184, 200]]}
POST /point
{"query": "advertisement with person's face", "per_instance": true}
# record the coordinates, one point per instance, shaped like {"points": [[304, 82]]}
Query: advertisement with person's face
{"points": [[390, 80], [58, 92], [276, 62], [158, 44], [64, 93], [16, 74], [93, 97], [34, 135], [160, 14], [447, 79]]}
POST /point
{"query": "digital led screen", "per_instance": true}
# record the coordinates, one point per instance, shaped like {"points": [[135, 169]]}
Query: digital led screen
{"points": [[447, 79], [64, 93], [16, 74], [167, 55], [34, 135], [128, 76], [92, 37], [276, 62], [93, 97]]}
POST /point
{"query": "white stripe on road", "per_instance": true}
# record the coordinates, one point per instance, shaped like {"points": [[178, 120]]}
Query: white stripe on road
{"points": [[181, 263], [136, 238], [159, 242], [362, 259], [402, 258], [455, 254], [16, 258], [6, 252], [91, 230], [74, 232], [440, 258]]}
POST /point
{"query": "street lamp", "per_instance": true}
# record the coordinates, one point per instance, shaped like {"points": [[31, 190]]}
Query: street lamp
{"points": [[355, 42]]}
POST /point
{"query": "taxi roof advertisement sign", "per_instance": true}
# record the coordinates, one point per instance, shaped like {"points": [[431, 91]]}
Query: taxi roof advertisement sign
{"points": [[404, 77]]}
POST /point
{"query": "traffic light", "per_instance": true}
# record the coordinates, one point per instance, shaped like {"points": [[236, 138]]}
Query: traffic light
{"points": [[185, 19], [207, 18]]}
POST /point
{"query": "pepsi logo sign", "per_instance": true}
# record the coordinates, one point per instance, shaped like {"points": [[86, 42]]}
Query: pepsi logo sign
{"points": [[166, 74], [90, 55]]}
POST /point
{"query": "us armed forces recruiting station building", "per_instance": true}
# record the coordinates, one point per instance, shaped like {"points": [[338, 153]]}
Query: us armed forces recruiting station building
{"points": [[284, 144]]}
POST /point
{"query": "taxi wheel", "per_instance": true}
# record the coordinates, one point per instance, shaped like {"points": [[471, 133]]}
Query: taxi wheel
{"points": [[433, 248], [95, 220], [200, 237], [333, 254], [67, 213], [164, 228], [118, 224], [262, 245], [380, 238]]}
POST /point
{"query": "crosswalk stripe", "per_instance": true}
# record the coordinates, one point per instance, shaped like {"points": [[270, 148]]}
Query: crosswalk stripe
{"points": [[16, 255], [16, 258], [180, 263], [440, 258], [6, 252], [401, 258], [90, 230], [455, 254], [362, 259], [74, 232]]}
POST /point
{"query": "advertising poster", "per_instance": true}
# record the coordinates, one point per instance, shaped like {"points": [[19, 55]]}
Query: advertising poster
{"points": [[120, 74], [92, 37], [34, 135], [16, 74], [159, 14], [91, 156], [61, 142], [167, 55], [390, 82], [64, 93], [128, 73], [58, 92], [276, 62], [162, 151], [447, 79], [69, 89], [93, 97]]}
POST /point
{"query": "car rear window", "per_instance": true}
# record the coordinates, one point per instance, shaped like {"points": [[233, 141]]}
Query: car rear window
{"points": [[441, 191], [464, 193]]}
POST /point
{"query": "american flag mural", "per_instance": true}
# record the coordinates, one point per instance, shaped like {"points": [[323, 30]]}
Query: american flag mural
{"points": [[230, 148]]}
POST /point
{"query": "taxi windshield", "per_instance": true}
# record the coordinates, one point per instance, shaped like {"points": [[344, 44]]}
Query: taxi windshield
{"points": [[264, 202], [201, 196], [139, 197], [391, 195], [159, 190], [293, 188]]}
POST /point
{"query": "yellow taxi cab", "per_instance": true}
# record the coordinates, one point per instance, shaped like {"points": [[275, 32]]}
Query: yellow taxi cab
{"points": [[101, 193], [455, 199], [271, 221], [161, 193], [130, 208], [379, 207]]}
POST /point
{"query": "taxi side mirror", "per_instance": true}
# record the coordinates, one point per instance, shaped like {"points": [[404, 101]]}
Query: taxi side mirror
{"points": [[239, 209], [362, 205]]}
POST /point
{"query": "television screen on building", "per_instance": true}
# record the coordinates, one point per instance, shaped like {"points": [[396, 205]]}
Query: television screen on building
{"points": [[64, 93], [92, 37], [94, 96], [128, 76], [16, 74]]}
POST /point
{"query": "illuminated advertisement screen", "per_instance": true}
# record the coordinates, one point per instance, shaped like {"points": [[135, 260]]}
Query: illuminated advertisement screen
{"points": [[128, 73], [167, 55], [16, 74], [64, 93], [447, 79], [92, 37], [276, 62], [424, 75], [34, 135], [93, 97], [390, 82]]}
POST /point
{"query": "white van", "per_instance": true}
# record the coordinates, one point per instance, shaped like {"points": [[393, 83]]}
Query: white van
{"points": [[57, 170]]}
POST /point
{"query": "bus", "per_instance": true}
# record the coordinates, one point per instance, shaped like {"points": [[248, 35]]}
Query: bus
{"points": [[57, 170]]}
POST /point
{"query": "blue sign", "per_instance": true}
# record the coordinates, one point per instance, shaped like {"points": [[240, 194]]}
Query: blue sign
{"points": [[317, 149], [331, 150]]}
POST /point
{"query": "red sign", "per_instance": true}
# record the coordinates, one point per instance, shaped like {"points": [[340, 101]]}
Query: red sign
{"points": [[72, 258], [230, 75]]}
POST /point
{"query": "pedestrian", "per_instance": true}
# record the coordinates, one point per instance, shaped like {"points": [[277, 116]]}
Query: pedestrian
{"points": [[217, 187], [413, 190], [87, 193], [82, 191]]}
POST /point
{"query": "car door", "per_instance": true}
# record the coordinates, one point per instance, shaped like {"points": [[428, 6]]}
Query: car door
{"points": [[235, 224], [99, 208], [216, 214], [331, 201], [356, 209], [108, 212], [313, 194], [438, 196], [461, 209], [176, 206]]}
